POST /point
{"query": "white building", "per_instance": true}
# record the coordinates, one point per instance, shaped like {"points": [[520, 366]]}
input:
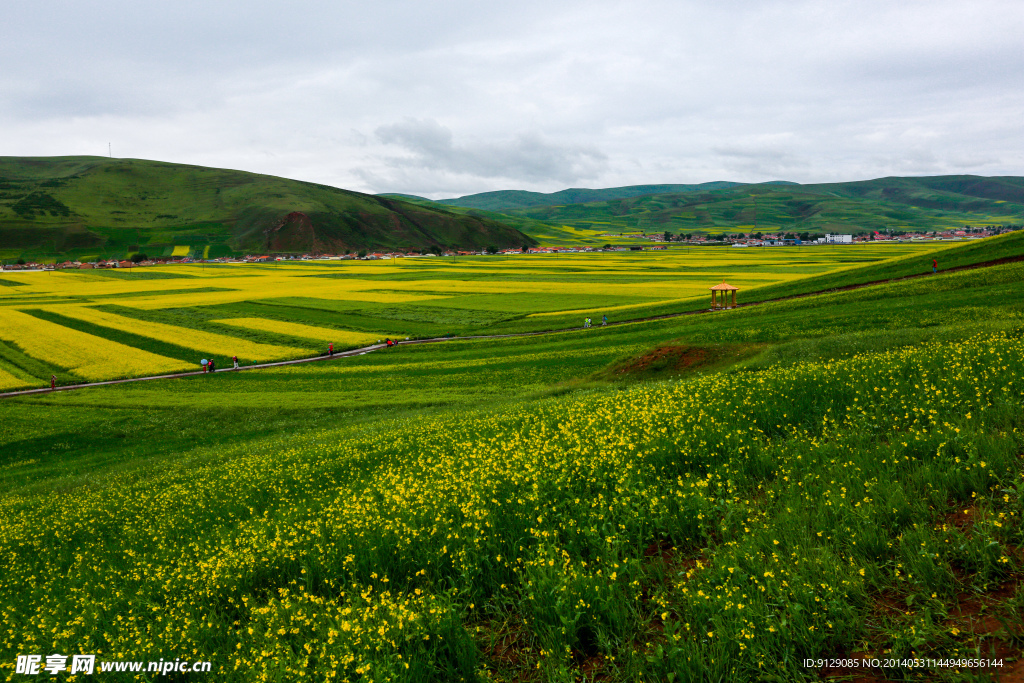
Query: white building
{"points": [[838, 239]]}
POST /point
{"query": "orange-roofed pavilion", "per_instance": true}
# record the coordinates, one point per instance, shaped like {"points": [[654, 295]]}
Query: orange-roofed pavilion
{"points": [[722, 302]]}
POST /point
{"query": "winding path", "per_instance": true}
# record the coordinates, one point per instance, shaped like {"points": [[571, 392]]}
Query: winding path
{"points": [[374, 347]]}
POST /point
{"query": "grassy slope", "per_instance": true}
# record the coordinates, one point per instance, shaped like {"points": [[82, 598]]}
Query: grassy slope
{"points": [[965, 192], [779, 455], [1009, 246], [77, 204]]}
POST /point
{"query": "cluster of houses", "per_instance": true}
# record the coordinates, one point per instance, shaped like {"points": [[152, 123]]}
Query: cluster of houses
{"points": [[78, 265], [967, 233], [784, 239]]}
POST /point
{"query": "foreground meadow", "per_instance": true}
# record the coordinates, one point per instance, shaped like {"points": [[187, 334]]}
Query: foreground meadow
{"points": [[714, 497], [722, 528], [96, 325]]}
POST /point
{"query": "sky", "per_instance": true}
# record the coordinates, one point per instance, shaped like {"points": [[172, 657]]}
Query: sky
{"points": [[443, 99]]}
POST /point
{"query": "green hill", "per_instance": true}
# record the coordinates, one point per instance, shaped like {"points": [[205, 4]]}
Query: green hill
{"points": [[963, 193], [96, 205], [885, 204], [505, 200], [895, 204]]}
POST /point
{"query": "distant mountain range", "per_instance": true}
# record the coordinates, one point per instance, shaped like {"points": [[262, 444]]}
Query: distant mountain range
{"points": [[97, 205], [898, 204], [100, 206]]}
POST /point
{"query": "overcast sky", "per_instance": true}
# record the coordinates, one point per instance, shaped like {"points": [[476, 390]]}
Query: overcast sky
{"points": [[442, 99]]}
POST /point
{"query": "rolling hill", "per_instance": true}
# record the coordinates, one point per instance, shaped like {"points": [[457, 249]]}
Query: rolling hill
{"points": [[886, 204], [96, 205], [505, 200]]}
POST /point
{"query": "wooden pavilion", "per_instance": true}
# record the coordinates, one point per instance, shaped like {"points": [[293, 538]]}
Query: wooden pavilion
{"points": [[722, 302]]}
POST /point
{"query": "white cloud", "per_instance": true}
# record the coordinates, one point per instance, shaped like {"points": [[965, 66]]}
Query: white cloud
{"points": [[526, 156], [460, 97]]}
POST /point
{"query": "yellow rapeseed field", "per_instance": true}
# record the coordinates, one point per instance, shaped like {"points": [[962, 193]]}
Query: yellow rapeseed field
{"points": [[398, 295], [203, 342], [88, 356], [320, 334], [669, 275], [9, 381]]}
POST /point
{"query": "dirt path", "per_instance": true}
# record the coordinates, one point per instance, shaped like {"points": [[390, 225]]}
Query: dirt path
{"points": [[436, 340]]}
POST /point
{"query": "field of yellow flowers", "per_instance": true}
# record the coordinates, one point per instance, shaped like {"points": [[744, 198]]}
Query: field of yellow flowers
{"points": [[723, 527], [125, 323], [88, 357]]}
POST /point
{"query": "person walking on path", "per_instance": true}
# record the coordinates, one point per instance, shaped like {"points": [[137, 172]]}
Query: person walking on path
{"points": [[935, 266], [234, 359], [330, 349], [206, 365], [210, 365], [53, 382], [604, 320]]}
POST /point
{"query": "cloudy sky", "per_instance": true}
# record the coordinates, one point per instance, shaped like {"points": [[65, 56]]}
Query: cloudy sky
{"points": [[443, 99]]}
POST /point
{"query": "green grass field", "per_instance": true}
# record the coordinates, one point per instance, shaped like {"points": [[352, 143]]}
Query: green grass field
{"points": [[708, 497]]}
